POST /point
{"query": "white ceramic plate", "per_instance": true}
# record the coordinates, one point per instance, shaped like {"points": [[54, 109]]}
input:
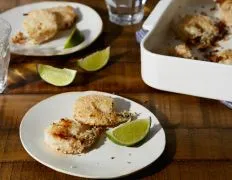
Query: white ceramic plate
{"points": [[105, 159], [89, 23]]}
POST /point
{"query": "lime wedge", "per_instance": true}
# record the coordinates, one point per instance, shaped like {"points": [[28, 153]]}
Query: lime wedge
{"points": [[95, 61], [74, 39], [129, 133], [56, 76]]}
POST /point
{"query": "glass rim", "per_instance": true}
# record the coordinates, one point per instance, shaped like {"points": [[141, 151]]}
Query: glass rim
{"points": [[8, 26]]}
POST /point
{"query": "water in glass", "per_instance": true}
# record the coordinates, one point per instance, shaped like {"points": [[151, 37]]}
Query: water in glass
{"points": [[125, 12]]}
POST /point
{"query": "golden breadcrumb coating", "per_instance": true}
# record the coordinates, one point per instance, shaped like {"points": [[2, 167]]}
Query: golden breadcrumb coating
{"points": [[225, 9], [198, 30], [40, 25], [71, 137], [97, 110], [181, 50], [225, 57], [19, 38], [66, 16]]}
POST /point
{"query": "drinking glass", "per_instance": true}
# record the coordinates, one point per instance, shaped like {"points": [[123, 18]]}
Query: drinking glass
{"points": [[5, 30], [125, 12]]}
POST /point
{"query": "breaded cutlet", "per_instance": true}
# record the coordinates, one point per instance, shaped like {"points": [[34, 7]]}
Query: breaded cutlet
{"points": [[198, 30], [40, 25], [71, 137], [181, 50], [225, 9], [66, 16], [96, 110]]}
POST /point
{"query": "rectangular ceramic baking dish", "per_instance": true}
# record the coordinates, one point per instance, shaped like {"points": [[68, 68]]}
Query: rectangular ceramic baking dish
{"points": [[192, 77]]}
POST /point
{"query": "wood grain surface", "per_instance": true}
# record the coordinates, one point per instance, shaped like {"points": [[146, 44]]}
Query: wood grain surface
{"points": [[198, 131]]}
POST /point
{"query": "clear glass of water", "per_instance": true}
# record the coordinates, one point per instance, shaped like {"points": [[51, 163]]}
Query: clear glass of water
{"points": [[125, 12], [5, 30]]}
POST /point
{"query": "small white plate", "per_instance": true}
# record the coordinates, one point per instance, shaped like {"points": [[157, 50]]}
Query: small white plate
{"points": [[89, 23], [105, 159]]}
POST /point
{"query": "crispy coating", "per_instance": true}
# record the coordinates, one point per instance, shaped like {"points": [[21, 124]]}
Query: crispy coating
{"points": [[227, 62], [40, 25], [225, 57], [71, 137], [222, 57], [225, 9], [181, 50], [96, 110], [66, 16], [19, 38], [198, 30]]}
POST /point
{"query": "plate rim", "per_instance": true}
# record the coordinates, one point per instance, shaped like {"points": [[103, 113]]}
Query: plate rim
{"points": [[77, 174], [63, 52]]}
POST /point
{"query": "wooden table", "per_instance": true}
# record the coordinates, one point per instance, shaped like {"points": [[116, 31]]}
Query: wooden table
{"points": [[198, 131]]}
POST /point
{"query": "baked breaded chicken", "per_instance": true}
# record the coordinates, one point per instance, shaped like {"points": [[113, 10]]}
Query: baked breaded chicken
{"points": [[225, 9], [66, 16], [40, 25], [222, 57], [96, 110], [181, 50], [198, 30], [71, 137]]}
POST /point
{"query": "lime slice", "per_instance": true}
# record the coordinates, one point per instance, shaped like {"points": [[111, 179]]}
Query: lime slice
{"points": [[56, 76], [74, 39], [129, 133], [95, 61]]}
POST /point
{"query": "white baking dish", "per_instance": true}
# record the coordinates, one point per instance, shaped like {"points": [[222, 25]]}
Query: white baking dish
{"points": [[192, 77]]}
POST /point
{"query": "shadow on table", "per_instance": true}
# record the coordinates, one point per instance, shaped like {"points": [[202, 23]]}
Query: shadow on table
{"points": [[166, 157], [26, 73], [19, 76], [112, 30]]}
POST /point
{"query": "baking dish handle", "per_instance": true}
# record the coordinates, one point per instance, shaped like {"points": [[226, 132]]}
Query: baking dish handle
{"points": [[155, 15]]}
